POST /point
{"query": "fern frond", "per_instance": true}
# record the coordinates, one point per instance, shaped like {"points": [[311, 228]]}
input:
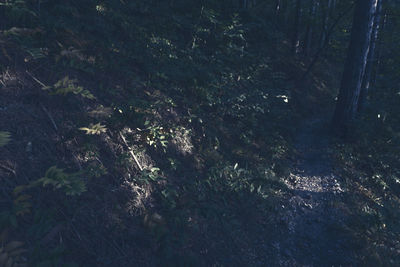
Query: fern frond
{"points": [[22, 205], [94, 129], [4, 138], [66, 86], [71, 183], [12, 253]]}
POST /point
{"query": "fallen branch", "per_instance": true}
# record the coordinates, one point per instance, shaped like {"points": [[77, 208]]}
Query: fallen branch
{"points": [[35, 79], [131, 151], [43, 108], [50, 117], [8, 169]]}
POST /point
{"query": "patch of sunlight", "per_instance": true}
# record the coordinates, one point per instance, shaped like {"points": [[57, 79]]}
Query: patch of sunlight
{"points": [[100, 8], [100, 112], [284, 97]]}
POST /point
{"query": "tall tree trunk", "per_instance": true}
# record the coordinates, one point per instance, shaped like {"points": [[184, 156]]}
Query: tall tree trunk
{"points": [[366, 82], [379, 50], [288, 19], [347, 103], [243, 3], [278, 8], [309, 32], [325, 21], [296, 28]]}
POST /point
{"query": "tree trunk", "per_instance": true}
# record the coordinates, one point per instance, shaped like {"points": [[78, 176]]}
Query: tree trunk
{"points": [[366, 82], [277, 8], [379, 50], [347, 103], [325, 21], [296, 26], [309, 32]]}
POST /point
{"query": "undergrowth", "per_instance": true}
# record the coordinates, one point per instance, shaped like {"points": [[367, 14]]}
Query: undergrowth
{"points": [[155, 132], [171, 120]]}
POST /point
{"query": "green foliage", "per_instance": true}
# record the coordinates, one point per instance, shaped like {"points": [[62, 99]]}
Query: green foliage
{"points": [[66, 86], [96, 170], [4, 138], [156, 136], [12, 253], [19, 12], [94, 129], [151, 175], [200, 68], [20, 206], [370, 165], [71, 183]]}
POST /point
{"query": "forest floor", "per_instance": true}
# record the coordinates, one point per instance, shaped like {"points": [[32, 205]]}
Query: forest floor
{"points": [[315, 223], [233, 185], [315, 216]]}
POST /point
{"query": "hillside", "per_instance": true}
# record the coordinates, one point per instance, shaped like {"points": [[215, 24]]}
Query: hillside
{"points": [[184, 133]]}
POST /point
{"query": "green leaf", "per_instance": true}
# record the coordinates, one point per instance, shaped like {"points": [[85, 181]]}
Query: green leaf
{"points": [[4, 138], [94, 129]]}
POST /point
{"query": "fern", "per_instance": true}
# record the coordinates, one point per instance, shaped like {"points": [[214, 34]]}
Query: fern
{"points": [[4, 138], [11, 253], [94, 129], [22, 205], [66, 86], [72, 184]]}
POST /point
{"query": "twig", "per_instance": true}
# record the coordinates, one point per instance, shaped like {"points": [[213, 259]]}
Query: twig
{"points": [[8, 169], [51, 234], [41, 105], [50, 117], [35, 79], [131, 151]]}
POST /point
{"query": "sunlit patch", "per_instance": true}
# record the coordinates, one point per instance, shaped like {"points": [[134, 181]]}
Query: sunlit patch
{"points": [[284, 97], [181, 140], [100, 8], [100, 112]]}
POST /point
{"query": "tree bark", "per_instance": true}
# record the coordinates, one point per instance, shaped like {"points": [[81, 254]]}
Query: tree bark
{"points": [[278, 8], [347, 103], [325, 21], [309, 32], [379, 50], [366, 82], [296, 26]]}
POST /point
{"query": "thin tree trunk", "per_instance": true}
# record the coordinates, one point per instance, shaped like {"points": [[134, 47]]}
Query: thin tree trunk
{"points": [[278, 8], [347, 103], [366, 83], [296, 26], [379, 51], [309, 32], [321, 49], [325, 21], [288, 19]]}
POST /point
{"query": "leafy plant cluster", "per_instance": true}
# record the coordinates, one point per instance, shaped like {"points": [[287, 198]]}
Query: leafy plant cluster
{"points": [[371, 167], [192, 67], [4, 138]]}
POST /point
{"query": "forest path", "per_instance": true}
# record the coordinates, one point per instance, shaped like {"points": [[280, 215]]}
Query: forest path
{"points": [[314, 219]]}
